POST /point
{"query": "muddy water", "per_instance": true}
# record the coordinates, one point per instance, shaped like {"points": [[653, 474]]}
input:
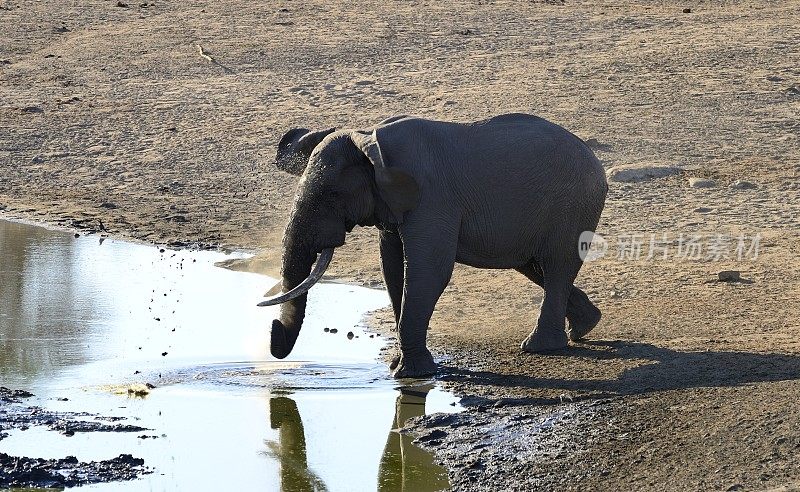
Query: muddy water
{"points": [[83, 319]]}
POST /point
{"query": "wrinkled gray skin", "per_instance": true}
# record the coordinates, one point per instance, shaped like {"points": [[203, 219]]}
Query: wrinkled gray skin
{"points": [[514, 192]]}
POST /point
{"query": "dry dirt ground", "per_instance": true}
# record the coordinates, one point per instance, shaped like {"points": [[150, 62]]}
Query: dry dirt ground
{"points": [[110, 118]]}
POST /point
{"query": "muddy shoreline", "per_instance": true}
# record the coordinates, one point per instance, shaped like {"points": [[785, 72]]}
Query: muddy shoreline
{"points": [[20, 471]]}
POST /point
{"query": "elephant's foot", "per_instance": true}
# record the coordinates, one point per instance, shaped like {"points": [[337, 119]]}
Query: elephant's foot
{"points": [[580, 324], [413, 366], [545, 340]]}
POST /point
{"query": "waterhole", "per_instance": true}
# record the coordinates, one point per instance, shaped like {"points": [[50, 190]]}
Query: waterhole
{"points": [[84, 319]]}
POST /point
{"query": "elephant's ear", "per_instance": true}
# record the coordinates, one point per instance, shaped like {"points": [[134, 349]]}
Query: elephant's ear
{"points": [[398, 189], [295, 148]]}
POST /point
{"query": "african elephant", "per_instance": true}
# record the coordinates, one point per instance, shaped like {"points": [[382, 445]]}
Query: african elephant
{"points": [[514, 191]]}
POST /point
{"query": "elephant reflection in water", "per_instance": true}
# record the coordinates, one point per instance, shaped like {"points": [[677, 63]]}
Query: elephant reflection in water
{"points": [[290, 450], [403, 467]]}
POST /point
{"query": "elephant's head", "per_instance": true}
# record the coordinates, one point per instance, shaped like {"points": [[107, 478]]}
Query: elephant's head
{"points": [[347, 182], [295, 148]]}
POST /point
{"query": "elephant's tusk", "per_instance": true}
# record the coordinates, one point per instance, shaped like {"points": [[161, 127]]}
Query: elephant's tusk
{"points": [[319, 269], [276, 289]]}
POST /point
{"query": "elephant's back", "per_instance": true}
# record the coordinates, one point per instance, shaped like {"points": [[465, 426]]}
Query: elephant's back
{"points": [[532, 147]]}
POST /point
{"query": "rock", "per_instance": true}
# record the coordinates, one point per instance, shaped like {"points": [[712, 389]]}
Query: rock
{"points": [[350, 335], [334, 330], [594, 144], [703, 210], [326, 330], [701, 183], [687, 11], [32, 109], [122, 4], [138, 390], [729, 276], [633, 173], [742, 185]]}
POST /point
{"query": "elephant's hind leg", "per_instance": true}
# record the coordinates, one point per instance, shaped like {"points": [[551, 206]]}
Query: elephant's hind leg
{"points": [[582, 314], [549, 332]]}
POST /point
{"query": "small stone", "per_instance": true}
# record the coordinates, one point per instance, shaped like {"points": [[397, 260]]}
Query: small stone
{"points": [[701, 183], [615, 294], [326, 330], [703, 210], [687, 11], [138, 390], [334, 330], [77, 235], [164, 354], [350, 335], [595, 144], [122, 4], [632, 173], [742, 185], [32, 109], [729, 276]]}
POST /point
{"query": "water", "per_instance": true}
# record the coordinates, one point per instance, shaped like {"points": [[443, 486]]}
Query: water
{"points": [[82, 319]]}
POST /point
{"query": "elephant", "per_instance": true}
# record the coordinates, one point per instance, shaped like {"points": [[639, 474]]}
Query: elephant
{"points": [[510, 192]]}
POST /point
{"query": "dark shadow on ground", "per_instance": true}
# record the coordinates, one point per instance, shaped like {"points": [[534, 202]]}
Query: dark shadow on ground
{"points": [[662, 369]]}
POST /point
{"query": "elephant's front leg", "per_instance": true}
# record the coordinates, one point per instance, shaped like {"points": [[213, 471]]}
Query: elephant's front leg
{"points": [[392, 267], [429, 263]]}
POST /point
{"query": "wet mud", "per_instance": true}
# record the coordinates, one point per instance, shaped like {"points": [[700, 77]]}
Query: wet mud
{"points": [[16, 471], [21, 471]]}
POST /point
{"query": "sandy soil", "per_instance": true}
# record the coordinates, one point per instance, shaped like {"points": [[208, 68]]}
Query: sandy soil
{"points": [[110, 119]]}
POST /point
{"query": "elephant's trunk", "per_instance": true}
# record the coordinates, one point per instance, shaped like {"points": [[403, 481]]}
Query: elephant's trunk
{"points": [[296, 272]]}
